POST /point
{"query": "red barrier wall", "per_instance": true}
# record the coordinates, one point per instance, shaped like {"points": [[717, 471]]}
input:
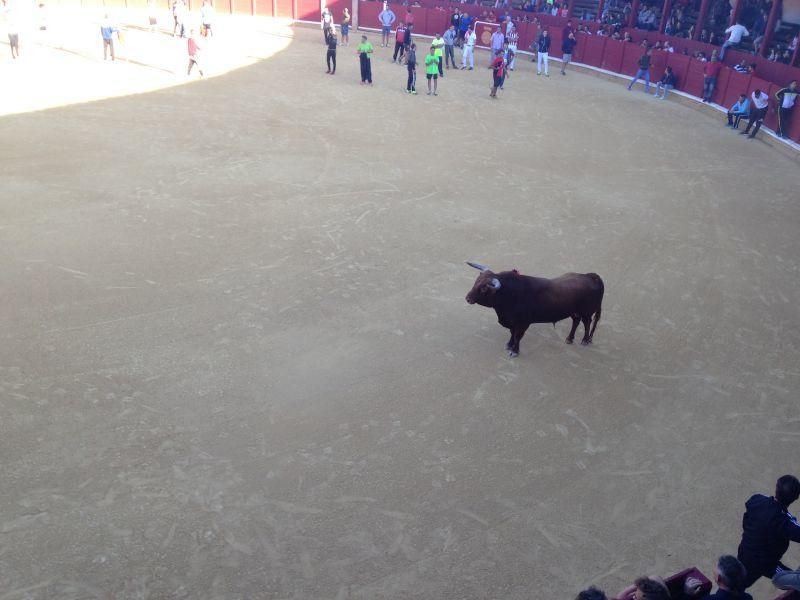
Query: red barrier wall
{"points": [[284, 9], [264, 8], [616, 56], [307, 10]]}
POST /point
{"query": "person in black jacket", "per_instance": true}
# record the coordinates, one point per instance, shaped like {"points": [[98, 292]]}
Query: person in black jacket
{"points": [[665, 84], [567, 46], [644, 71], [543, 53], [767, 529]]}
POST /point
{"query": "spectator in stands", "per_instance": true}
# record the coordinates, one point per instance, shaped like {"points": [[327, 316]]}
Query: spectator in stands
{"points": [[387, 19], [468, 51], [567, 47], [463, 25], [455, 21], [449, 46], [735, 34], [668, 47], [738, 111], [411, 63], [643, 72], [710, 73], [741, 67], [543, 53], [627, 37], [786, 98], [665, 84], [767, 524], [399, 42], [592, 593], [645, 588]]}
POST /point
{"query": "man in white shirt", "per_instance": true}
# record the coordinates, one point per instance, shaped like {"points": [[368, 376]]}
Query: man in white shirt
{"points": [[757, 113], [735, 35], [468, 51]]}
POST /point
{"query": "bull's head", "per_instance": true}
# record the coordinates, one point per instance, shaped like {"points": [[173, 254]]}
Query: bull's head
{"points": [[485, 287]]}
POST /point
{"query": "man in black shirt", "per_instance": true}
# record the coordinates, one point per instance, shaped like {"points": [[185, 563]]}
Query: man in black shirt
{"points": [[767, 529]]}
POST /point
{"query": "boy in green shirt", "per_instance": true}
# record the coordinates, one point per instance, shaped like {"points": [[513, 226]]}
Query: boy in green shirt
{"points": [[364, 51], [438, 45], [432, 67]]}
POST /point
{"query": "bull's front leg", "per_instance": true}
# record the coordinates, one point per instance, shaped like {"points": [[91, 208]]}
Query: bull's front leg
{"points": [[516, 335]]}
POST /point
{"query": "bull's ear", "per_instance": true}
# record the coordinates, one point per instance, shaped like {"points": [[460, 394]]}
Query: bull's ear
{"points": [[478, 266]]}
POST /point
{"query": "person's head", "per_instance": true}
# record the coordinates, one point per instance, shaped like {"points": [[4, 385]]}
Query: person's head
{"points": [[787, 489], [452, 28], [793, 86], [363, 38], [498, 53], [569, 23], [433, 49], [669, 70], [346, 11], [648, 588], [438, 35], [730, 573], [757, 93], [591, 593], [545, 33]]}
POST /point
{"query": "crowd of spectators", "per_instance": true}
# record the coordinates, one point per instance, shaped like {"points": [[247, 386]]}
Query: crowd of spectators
{"points": [[767, 529]]}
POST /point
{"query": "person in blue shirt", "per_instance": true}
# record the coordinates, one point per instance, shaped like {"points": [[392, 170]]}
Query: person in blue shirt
{"points": [[387, 19], [737, 111], [107, 30]]}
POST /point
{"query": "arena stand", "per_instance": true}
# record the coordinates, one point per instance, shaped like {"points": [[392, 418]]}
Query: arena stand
{"points": [[617, 56]]}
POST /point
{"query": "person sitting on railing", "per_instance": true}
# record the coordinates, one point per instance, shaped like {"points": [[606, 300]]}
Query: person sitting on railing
{"points": [[738, 111], [665, 84], [668, 47], [741, 67], [735, 34], [627, 37]]}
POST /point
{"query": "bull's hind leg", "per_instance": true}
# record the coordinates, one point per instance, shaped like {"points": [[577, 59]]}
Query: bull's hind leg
{"points": [[587, 339], [510, 343], [571, 337]]}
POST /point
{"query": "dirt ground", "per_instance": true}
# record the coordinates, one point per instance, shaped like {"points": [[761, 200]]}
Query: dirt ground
{"points": [[236, 359]]}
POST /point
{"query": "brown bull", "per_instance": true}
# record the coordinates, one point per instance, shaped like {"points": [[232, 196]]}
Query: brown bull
{"points": [[520, 300]]}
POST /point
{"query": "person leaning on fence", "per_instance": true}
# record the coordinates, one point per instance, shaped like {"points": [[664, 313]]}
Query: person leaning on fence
{"points": [[468, 51], [665, 84], [387, 19], [758, 110], [710, 73], [449, 47], [738, 111], [567, 47], [787, 99], [643, 72], [411, 63]]}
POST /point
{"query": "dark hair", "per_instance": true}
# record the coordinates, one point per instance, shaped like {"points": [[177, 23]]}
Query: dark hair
{"points": [[787, 490], [592, 593], [732, 573], [652, 589]]}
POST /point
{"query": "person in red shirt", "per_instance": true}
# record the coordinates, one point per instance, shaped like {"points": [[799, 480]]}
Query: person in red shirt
{"points": [[194, 47], [399, 42], [498, 73], [710, 73]]}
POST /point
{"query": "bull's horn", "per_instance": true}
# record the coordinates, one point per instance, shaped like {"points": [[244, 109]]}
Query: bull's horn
{"points": [[496, 283], [478, 266]]}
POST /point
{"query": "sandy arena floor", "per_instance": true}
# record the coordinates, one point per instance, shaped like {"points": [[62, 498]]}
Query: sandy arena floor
{"points": [[237, 362]]}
